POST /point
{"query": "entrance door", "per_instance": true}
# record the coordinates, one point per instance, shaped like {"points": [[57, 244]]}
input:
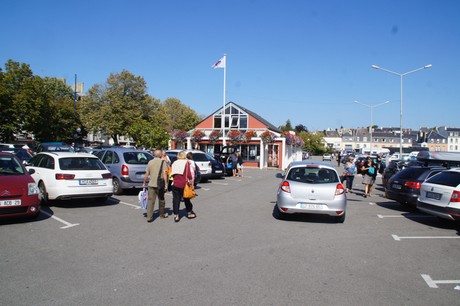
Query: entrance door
{"points": [[273, 155]]}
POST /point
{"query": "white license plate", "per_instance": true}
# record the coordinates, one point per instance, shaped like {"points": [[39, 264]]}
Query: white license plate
{"points": [[433, 195], [89, 182], [396, 186], [10, 203], [218, 171], [311, 206], [203, 171]]}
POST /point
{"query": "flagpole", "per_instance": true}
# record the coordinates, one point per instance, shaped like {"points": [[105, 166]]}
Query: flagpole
{"points": [[223, 104]]}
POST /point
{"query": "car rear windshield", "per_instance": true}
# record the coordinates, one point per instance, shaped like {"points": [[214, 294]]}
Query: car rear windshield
{"points": [[137, 158], [313, 175], [447, 178], [80, 163], [200, 157], [413, 174], [10, 166]]}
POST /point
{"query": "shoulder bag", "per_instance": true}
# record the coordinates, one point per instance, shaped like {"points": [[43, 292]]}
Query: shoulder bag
{"points": [[189, 190], [160, 180]]}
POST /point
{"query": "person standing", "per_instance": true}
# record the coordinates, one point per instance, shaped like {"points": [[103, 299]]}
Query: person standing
{"points": [[182, 175], [349, 173], [157, 171], [239, 164], [370, 174], [338, 159], [234, 160]]}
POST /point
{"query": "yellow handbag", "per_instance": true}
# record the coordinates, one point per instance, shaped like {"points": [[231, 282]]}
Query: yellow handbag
{"points": [[189, 190]]}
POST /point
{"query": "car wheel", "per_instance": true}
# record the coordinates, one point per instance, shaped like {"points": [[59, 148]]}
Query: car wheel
{"points": [[42, 194], [340, 219], [279, 214], [116, 186]]}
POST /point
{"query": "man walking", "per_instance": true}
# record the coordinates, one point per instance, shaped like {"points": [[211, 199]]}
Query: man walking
{"points": [[157, 170]]}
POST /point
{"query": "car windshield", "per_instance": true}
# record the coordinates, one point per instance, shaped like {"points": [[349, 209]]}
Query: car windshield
{"points": [[10, 166], [53, 148], [137, 158], [81, 163], [413, 174], [312, 175], [447, 178]]}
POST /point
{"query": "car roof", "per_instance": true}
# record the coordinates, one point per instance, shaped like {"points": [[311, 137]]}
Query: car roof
{"points": [[186, 150], [310, 163], [68, 154]]}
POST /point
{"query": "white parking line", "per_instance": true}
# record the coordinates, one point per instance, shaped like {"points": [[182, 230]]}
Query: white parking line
{"points": [[217, 183], [129, 204], [67, 224], [434, 283], [398, 238], [405, 216]]}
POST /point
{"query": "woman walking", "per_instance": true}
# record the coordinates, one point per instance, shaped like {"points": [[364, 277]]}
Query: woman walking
{"points": [[182, 175], [239, 164], [349, 173], [370, 174]]}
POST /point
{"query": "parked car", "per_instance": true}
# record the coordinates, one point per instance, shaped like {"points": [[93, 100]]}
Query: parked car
{"points": [[70, 175], [440, 195], [18, 190], [172, 155], [23, 154], [201, 159], [313, 188], [327, 156], [404, 186], [223, 155], [53, 147], [126, 165], [218, 169]]}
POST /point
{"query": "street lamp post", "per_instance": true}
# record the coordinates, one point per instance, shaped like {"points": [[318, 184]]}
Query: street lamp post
{"points": [[372, 108], [401, 75]]}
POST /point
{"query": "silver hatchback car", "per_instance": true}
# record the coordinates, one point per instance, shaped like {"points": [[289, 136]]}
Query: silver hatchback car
{"points": [[312, 188]]}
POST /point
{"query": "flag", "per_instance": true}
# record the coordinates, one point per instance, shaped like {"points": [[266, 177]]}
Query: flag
{"points": [[220, 63]]}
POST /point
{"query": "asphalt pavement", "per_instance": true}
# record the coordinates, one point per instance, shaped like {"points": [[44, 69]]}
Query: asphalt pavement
{"points": [[234, 253]]}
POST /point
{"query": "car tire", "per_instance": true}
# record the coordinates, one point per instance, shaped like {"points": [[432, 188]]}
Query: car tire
{"points": [[116, 186], [42, 194], [279, 215], [340, 219]]}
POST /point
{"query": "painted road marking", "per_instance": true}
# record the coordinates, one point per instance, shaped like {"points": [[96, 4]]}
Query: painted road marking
{"points": [[405, 216], [67, 224], [398, 238], [434, 283], [217, 183], [129, 204]]}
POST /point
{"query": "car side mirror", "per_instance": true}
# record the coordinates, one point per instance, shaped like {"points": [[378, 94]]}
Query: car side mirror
{"points": [[279, 175], [31, 171]]}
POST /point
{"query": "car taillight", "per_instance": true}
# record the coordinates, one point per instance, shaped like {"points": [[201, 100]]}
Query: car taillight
{"points": [[107, 175], [285, 186], [339, 189], [414, 185], [455, 196], [124, 170], [64, 176]]}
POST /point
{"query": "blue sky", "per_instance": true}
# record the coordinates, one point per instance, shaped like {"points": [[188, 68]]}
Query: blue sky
{"points": [[302, 60]]}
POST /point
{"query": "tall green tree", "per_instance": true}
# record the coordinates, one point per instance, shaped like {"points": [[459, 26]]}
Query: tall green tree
{"points": [[12, 81], [47, 108], [313, 142], [180, 116], [115, 106], [287, 127]]}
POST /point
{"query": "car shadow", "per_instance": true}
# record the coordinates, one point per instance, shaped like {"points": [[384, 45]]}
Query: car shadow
{"points": [[23, 220], [82, 203], [310, 218]]}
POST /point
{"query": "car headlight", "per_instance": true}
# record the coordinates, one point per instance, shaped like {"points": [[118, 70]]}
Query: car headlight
{"points": [[32, 189]]}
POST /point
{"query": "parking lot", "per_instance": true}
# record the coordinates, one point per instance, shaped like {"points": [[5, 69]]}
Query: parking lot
{"points": [[234, 253]]}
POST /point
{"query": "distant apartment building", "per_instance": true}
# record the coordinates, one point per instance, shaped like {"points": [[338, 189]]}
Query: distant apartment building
{"points": [[452, 136]]}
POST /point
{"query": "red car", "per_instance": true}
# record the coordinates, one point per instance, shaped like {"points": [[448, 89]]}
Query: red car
{"points": [[18, 190]]}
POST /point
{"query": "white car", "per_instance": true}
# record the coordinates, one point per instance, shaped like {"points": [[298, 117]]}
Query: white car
{"points": [[440, 195], [327, 156], [69, 175], [200, 158]]}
